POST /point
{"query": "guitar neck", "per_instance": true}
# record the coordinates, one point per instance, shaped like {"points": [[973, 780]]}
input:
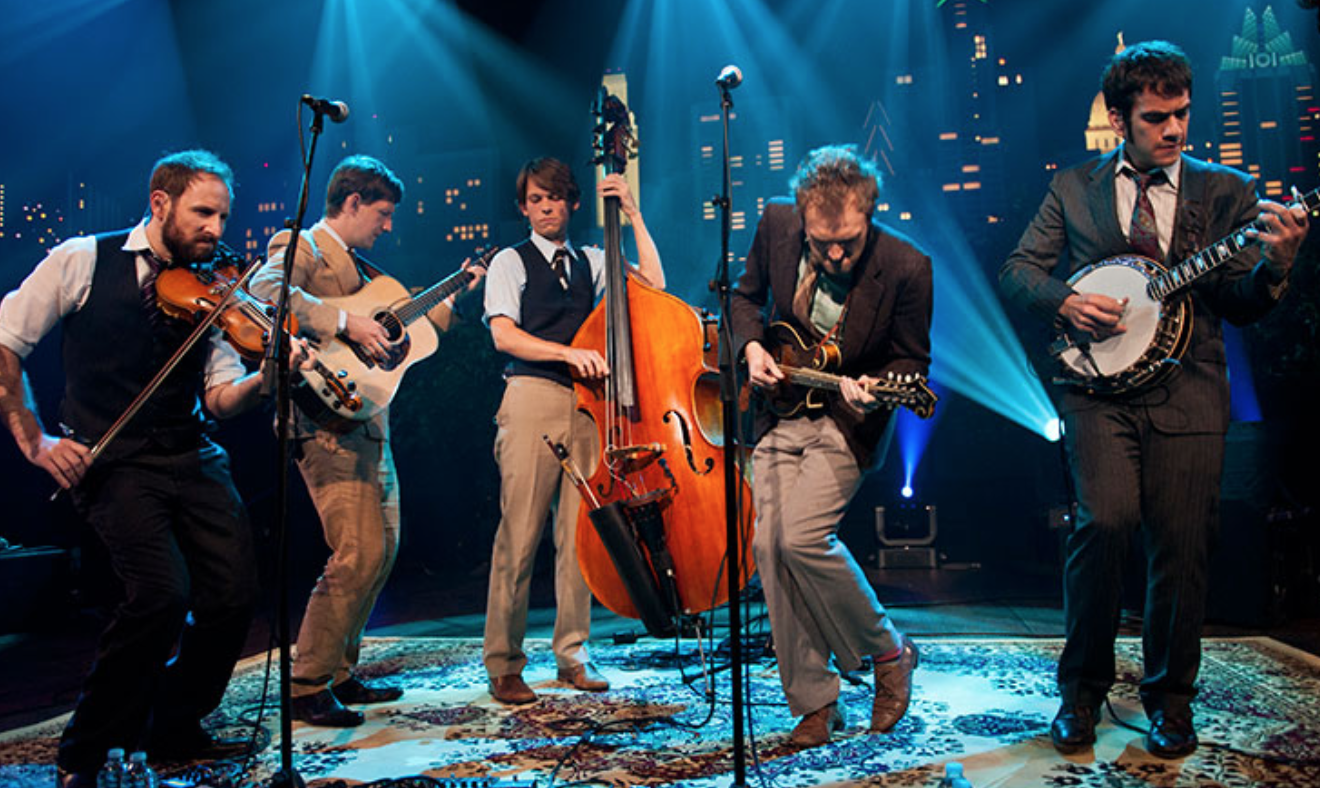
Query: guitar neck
{"points": [[424, 301], [1215, 255]]}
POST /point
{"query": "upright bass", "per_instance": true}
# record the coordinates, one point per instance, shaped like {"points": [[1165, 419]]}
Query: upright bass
{"points": [[651, 536]]}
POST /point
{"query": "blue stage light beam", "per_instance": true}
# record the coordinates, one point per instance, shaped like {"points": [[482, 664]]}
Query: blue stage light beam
{"points": [[978, 354], [29, 27], [913, 435], [478, 88], [787, 56], [1243, 403]]}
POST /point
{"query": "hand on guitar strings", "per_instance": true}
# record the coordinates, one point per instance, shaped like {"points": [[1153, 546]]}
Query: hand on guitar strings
{"points": [[1286, 228], [762, 370], [478, 273], [1098, 316], [368, 335]]}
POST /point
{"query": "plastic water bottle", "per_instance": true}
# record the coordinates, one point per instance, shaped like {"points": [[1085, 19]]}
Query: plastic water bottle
{"points": [[953, 776], [139, 774], [112, 774]]}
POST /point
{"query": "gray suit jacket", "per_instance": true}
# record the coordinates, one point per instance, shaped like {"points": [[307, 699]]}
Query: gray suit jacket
{"points": [[1077, 224]]}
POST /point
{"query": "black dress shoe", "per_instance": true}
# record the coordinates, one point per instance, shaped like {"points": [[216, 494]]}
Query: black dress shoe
{"points": [[1073, 729], [1171, 735], [355, 691], [194, 743], [324, 711]]}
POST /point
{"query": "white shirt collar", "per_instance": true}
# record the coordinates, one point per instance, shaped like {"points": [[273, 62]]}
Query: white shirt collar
{"points": [[137, 238], [1171, 172], [547, 247]]}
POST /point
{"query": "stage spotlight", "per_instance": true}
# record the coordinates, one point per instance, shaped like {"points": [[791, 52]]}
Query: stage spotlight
{"points": [[907, 491], [1052, 429]]}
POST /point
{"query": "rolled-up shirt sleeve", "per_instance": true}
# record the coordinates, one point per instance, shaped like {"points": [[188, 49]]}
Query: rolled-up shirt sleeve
{"points": [[56, 287]]}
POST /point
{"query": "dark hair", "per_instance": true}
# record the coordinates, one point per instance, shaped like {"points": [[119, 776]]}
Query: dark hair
{"points": [[552, 175], [829, 177], [365, 177], [1158, 65], [173, 173]]}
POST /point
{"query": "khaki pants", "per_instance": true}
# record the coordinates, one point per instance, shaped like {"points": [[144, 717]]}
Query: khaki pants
{"points": [[532, 487], [819, 601], [353, 485]]}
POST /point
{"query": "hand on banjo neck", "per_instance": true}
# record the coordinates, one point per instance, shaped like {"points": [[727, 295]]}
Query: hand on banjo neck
{"points": [[1278, 229]]}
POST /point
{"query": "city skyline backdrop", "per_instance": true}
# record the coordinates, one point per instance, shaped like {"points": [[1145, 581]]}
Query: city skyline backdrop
{"points": [[968, 107]]}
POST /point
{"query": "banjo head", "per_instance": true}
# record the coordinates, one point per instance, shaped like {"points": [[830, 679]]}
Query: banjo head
{"points": [[1118, 277]]}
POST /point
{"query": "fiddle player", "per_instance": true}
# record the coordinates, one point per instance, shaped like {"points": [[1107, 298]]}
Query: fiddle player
{"points": [[538, 294], [822, 264], [1152, 459], [159, 496], [349, 472]]}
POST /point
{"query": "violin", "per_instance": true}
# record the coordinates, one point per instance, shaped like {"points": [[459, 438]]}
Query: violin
{"points": [[247, 321], [190, 293]]}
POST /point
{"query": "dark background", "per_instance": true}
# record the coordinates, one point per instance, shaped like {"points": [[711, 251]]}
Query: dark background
{"points": [[93, 92]]}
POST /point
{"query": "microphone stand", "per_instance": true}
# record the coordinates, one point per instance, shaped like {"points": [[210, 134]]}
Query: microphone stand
{"points": [[732, 442], [278, 351]]}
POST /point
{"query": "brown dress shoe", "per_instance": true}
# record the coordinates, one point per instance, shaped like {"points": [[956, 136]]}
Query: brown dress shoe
{"points": [[511, 690], [893, 688], [815, 729], [584, 677]]}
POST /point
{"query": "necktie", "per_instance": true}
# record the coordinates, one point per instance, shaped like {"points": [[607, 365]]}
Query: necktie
{"points": [[560, 266], [804, 293], [148, 287], [1142, 233]]}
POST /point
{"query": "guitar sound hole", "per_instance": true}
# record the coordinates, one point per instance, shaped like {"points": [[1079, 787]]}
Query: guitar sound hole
{"points": [[392, 325]]}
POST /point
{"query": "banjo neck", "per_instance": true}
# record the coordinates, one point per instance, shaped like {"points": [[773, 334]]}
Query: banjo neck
{"points": [[1218, 253]]}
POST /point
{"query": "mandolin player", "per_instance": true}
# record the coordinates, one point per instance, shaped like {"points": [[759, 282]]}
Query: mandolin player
{"points": [[822, 265], [1146, 461]]}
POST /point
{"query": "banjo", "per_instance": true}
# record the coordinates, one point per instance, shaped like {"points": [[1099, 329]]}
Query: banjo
{"points": [[1158, 315]]}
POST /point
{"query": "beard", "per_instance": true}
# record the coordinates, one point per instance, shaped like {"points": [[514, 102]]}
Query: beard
{"points": [[183, 250]]}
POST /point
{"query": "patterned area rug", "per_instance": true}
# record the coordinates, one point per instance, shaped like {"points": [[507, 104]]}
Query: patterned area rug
{"points": [[984, 703]]}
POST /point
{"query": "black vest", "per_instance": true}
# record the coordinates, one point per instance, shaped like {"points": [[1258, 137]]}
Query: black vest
{"points": [[549, 311], [112, 348]]}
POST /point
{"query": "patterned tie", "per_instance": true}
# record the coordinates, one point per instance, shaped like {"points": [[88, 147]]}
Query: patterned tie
{"points": [[148, 287], [805, 292], [559, 264], [1143, 235]]}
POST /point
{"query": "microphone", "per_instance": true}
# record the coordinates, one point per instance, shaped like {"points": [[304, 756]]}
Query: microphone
{"points": [[730, 77], [336, 111]]}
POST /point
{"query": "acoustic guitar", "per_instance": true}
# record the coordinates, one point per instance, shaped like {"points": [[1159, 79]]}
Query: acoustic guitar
{"points": [[373, 383]]}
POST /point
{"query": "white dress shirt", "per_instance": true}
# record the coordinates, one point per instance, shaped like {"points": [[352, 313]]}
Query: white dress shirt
{"points": [[60, 285]]}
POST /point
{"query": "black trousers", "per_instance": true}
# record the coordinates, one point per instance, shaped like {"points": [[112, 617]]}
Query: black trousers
{"points": [[179, 541], [1130, 477]]}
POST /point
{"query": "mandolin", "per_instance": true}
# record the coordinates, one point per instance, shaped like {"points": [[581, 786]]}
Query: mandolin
{"points": [[807, 379]]}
